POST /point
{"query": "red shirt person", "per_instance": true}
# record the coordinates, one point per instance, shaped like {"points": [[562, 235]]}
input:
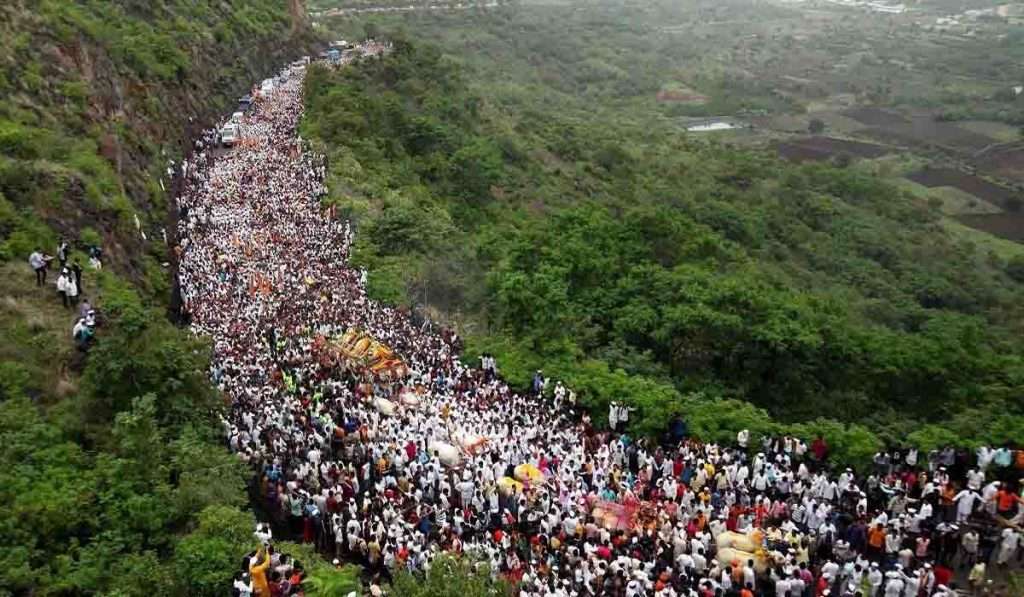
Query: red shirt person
{"points": [[820, 448]]}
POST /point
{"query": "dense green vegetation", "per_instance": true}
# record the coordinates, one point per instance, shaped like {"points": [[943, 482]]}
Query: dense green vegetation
{"points": [[114, 478], [98, 95], [567, 232], [99, 487]]}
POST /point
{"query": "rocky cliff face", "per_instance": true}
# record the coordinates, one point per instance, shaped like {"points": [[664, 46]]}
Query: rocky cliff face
{"points": [[300, 18], [100, 94]]}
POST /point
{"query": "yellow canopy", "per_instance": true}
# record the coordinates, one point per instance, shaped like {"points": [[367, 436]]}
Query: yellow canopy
{"points": [[510, 484], [528, 472]]}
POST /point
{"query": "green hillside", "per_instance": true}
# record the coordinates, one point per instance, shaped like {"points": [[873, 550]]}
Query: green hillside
{"points": [[113, 478], [601, 243], [100, 94]]}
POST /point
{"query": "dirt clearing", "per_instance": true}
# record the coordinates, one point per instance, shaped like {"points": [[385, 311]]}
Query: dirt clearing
{"points": [[875, 116], [823, 148], [969, 183], [1008, 163], [923, 131], [1008, 226]]}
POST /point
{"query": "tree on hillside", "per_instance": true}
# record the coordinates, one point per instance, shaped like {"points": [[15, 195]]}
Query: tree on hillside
{"points": [[1015, 268], [816, 126]]}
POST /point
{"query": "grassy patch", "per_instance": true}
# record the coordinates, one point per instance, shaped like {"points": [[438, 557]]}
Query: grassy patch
{"points": [[1000, 132], [950, 200], [1004, 249], [37, 329], [955, 201]]}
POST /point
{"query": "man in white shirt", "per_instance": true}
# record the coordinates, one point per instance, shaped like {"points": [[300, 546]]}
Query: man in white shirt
{"points": [[988, 496], [726, 578], [38, 262], [700, 562], [263, 533], [974, 479], [796, 584], [894, 584], [749, 576], [244, 585], [830, 570], [965, 504], [912, 583], [875, 578], [782, 586], [685, 561], [1010, 541]]}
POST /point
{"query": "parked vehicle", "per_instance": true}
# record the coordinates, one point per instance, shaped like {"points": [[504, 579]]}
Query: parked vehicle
{"points": [[230, 134]]}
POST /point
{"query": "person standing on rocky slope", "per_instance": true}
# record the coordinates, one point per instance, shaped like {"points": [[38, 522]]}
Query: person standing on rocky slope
{"points": [[95, 257], [65, 282], [39, 262], [62, 251], [76, 270]]}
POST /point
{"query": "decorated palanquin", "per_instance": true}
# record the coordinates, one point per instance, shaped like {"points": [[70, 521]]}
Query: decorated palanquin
{"points": [[631, 514], [358, 351]]}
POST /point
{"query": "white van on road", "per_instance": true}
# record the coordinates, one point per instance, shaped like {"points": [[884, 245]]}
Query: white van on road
{"points": [[230, 134]]}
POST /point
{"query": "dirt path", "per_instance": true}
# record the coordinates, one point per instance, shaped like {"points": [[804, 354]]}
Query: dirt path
{"points": [[340, 12]]}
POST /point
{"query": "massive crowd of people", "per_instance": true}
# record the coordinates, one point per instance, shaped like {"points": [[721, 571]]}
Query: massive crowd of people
{"points": [[390, 470]]}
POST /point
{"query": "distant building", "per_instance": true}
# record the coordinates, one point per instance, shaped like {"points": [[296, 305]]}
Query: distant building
{"points": [[873, 6], [887, 8], [711, 126]]}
